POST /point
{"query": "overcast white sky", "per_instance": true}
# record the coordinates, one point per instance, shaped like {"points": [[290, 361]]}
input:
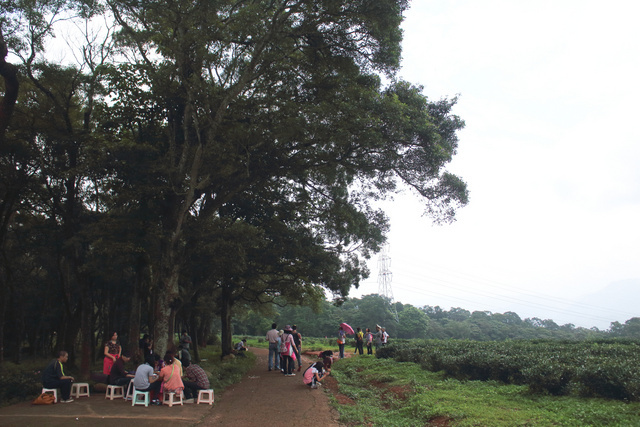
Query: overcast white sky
{"points": [[549, 91]]}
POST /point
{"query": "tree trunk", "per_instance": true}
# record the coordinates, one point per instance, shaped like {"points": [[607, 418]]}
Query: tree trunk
{"points": [[225, 320], [11, 87], [166, 297], [86, 329]]}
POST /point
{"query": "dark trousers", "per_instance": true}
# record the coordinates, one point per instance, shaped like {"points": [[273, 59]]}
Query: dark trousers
{"points": [[122, 381], [359, 347], [369, 349], [191, 389], [154, 388], [288, 364], [63, 385]]}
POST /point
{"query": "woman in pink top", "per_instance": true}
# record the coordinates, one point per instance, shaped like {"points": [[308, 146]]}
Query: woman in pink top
{"points": [[170, 375]]}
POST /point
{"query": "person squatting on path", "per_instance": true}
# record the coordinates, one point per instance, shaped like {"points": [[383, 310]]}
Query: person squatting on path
{"points": [[112, 351], [327, 360], [287, 353], [274, 350], [53, 377], [313, 375]]}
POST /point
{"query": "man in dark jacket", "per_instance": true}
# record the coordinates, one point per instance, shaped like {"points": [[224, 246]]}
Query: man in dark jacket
{"points": [[53, 377]]}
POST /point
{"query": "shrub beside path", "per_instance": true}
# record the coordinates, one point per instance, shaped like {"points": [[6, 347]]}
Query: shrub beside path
{"points": [[261, 398]]}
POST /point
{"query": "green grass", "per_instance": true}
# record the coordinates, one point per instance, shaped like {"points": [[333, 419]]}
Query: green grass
{"points": [[389, 393]]}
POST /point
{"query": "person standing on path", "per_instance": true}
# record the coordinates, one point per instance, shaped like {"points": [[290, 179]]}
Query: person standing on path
{"points": [[112, 350], [288, 344], [359, 341], [297, 338], [378, 337], [185, 340], [342, 339], [368, 337], [274, 351]]}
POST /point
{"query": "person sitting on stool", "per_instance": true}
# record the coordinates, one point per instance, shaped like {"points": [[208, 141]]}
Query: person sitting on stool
{"points": [[53, 377]]}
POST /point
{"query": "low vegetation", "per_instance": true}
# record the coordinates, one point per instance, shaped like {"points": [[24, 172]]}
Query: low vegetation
{"points": [[383, 392], [608, 369]]}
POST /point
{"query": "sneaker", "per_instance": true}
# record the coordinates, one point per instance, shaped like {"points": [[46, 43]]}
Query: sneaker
{"points": [[69, 400], [190, 400], [299, 367], [314, 386]]}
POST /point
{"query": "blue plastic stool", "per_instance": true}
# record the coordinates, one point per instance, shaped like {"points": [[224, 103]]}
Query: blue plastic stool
{"points": [[145, 398]]}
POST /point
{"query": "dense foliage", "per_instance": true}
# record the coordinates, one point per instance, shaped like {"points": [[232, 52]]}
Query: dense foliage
{"points": [[422, 322], [174, 163], [608, 369]]}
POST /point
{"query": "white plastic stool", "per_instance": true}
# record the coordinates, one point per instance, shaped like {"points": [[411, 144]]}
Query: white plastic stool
{"points": [[114, 392], [129, 391], [80, 390], [51, 390], [171, 398], [136, 394], [205, 396]]}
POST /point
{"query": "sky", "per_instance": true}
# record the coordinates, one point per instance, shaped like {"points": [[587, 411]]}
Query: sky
{"points": [[549, 92]]}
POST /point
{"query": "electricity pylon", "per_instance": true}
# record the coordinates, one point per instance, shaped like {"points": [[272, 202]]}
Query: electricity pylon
{"points": [[384, 278]]}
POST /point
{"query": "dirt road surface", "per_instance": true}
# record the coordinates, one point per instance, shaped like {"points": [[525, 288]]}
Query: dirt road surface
{"points": [[261, 398]]}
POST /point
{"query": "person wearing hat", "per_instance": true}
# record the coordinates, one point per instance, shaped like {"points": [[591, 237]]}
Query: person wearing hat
{"points": [[378, 337], [287, 353]]}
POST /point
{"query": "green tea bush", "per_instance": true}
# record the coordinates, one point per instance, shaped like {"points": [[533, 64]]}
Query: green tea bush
{"points": [[605, 368]]}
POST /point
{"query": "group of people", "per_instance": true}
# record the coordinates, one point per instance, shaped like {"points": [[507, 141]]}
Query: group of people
{"points": [[363, 339], [285, 347], [173, 373]]}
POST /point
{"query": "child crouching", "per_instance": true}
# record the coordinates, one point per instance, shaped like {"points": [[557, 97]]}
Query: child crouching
{"points": [[314, 374]]}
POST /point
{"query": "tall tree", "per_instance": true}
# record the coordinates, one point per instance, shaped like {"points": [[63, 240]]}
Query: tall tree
{"points": [[245, 94]]}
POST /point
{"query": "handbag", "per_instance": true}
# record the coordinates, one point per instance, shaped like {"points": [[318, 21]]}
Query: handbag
{"points": [[44, 399]]}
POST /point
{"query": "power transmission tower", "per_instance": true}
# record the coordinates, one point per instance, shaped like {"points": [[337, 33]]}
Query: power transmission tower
{"points": [[384, 278]]}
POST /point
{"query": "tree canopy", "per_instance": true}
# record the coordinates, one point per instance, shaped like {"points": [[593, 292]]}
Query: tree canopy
{"points": [[210, 152]]}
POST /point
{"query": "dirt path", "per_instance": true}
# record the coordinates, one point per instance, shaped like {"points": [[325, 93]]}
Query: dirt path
{"points": [[262, 397], [270, 398]]}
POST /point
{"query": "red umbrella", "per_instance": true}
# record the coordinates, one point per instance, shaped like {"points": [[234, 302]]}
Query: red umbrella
{"points": [[348, 329]]}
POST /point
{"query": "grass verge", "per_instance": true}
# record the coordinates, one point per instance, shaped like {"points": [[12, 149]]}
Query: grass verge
{"points": [[382, 392]]}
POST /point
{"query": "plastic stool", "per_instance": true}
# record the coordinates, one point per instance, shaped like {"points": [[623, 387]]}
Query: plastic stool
{"points": [[144, 394], [205, 396], [168, 398], [51, 390], [129, 390], [114, 392], [80, 390]]}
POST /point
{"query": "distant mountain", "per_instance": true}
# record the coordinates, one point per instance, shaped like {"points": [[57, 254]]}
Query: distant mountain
{"points": [[619, 302]]}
